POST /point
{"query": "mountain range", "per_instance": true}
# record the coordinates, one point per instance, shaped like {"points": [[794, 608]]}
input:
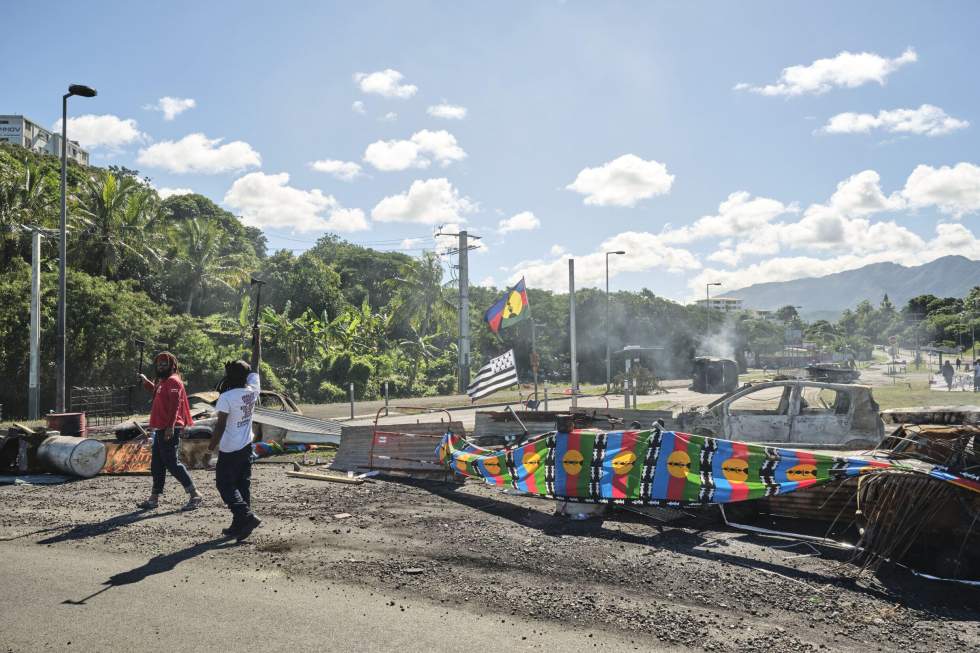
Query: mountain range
{"points": [[826, 297]]}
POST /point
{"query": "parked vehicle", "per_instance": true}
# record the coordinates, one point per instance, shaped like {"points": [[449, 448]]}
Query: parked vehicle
{"points": [[799, 412]]}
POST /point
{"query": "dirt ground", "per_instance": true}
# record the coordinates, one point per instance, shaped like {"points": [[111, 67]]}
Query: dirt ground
{"points": [[692, 584]]}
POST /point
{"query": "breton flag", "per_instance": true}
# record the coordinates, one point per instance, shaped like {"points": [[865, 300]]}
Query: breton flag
{"points": [[499, 373]]}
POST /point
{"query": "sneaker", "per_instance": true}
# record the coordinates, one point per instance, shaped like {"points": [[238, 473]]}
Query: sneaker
{"points": [[149, 504], [193, 503], [250, 524]]}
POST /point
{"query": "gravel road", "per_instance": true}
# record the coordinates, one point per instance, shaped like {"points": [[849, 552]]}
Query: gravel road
{"points": [[482, 552]]}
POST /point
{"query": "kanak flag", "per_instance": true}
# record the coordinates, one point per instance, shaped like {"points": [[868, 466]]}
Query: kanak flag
{"points": [[509, 309]]}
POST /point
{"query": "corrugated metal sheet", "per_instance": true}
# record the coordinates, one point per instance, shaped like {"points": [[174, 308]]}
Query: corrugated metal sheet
{"points": [[394, 447], [296, 422]]}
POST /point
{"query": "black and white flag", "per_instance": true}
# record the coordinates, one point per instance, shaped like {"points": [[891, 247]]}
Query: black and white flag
{"points": [[500, 372]]}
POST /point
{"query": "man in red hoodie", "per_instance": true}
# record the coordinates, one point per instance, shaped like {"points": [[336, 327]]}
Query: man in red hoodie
{"points": [[169, 416]]}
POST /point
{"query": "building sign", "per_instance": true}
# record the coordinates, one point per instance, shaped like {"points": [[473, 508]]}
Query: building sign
{"points": [[13, 132]]}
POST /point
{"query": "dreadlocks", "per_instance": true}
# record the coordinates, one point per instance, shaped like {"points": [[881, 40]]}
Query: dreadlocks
{"points": [[170, 359], [236, 376]]}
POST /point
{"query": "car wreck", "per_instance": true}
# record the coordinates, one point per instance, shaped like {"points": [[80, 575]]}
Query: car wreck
{"points": [[797, 412]]}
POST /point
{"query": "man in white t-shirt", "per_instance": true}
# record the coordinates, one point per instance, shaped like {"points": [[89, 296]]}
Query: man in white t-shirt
{"points": [[232, 437]]}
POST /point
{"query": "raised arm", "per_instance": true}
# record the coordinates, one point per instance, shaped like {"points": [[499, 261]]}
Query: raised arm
{"points": [[256, 348]]}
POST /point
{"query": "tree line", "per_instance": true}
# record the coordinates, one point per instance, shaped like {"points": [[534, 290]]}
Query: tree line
{"points": [[175, 272]]}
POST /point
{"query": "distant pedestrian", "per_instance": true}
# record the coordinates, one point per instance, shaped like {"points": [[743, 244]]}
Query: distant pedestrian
{"points": [[976, 376], [958, 363], [232, 436], [947, 372], [170, 414]]}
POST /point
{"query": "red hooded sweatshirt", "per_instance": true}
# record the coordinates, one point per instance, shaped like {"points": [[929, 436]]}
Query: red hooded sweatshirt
{"points": [[170, 406]]}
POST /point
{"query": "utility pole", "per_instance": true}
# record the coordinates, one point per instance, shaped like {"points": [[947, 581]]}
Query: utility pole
{"points": [[571, 330], [464, 305], [33, 384], [464, 312], [608, 359]]}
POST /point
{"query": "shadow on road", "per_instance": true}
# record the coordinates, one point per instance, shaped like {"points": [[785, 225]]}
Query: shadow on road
{"points": [[160, 564], [82, 531]]}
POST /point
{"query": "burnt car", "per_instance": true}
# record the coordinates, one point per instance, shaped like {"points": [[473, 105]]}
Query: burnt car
{"points": [[792, 412]]}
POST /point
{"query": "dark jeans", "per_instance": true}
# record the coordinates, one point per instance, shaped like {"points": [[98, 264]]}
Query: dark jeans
{"points": [[233, 476], [166, 457]]}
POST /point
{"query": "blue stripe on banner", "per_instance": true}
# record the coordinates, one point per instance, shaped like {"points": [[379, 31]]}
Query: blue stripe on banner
{"points": [[723, 488], [521, 483], [561, 478], [661, 477], [614, 445], [787, 460]]}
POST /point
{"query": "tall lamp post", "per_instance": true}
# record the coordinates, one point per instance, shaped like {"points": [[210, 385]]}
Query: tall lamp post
{"points": [[83, 91], [707, 302], [608, 364]]}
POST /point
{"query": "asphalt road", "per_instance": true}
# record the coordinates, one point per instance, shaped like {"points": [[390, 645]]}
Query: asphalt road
{"points": [[56, 598]]}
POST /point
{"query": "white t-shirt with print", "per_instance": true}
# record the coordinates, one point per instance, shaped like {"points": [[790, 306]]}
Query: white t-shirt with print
{"points": [[238, 403]]}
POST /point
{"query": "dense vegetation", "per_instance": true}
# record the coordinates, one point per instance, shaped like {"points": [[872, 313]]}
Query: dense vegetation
{"points": [[176, 272]]}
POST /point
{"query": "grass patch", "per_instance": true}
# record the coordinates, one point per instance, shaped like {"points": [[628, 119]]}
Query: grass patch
{"points": [[655, 405], [913, 393]]}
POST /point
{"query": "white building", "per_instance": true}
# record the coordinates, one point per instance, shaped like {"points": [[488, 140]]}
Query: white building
{"points": [[31, 135], [723, 304]]}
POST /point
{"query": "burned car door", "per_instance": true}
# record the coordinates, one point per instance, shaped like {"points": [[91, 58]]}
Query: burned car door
{"points": [[760, 414], [824, 416]]}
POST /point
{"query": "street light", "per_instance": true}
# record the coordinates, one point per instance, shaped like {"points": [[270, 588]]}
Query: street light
{"points": [[707, 302], [82, 91], [608, 364]]}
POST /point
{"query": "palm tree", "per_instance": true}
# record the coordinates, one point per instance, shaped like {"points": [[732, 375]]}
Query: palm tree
{"points": [[420, 303], [199, 244], [115, 212], [24, 200]]}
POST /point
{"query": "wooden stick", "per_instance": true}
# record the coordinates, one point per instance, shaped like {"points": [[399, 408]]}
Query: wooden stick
{"points": [[23, 428], [325, 477]]}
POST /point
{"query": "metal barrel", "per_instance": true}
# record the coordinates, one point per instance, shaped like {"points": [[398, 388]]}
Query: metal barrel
{"points": [[74, 456]]}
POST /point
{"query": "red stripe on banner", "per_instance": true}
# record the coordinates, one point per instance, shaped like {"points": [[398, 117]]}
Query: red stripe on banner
{"points": [[524, 301], [531, 478], [620, 482], [676, 484], [740, 491]]}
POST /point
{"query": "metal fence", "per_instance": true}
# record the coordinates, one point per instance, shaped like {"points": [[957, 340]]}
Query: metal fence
{"points": [[103, 406]]}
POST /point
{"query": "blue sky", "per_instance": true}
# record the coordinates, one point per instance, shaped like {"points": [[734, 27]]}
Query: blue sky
{"points": [[588, 126]]}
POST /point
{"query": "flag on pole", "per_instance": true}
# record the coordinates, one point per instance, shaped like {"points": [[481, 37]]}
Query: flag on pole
{"points": [[509, 309], [499, 373]]}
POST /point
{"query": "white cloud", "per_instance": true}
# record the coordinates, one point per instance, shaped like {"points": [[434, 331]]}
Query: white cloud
{"points": [[446, 237], [523, 221], [196, 153], [171, 107], [433, 201], [411, 243], [164, 193], [557, 250], [448, 111], [488, 282], [386, 83], [737, 215], [343, 170], [419, 151], [954, 190], [269, 201], [846, 70], [622, 182], [644, 252], [105, 131], [391, 116], [358, 107], [927, 120]]}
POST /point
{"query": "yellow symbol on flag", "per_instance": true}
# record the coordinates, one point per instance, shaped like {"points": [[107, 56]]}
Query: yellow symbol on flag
{"points": [[514, 305]]}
